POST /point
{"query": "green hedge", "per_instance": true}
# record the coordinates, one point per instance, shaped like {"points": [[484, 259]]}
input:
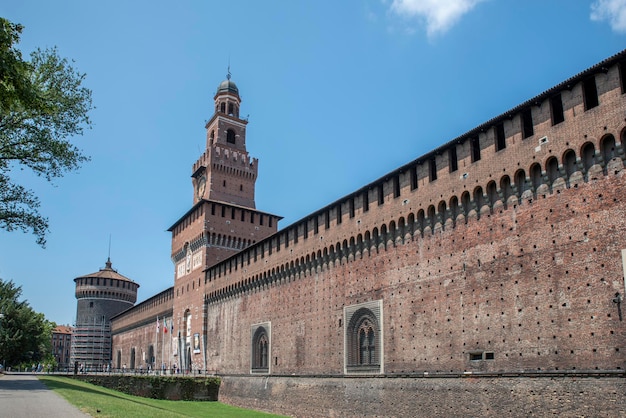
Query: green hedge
{"points": [[160, 387]]}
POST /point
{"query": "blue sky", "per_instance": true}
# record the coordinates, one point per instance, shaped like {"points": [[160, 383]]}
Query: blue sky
{"points": [[337, 93]]}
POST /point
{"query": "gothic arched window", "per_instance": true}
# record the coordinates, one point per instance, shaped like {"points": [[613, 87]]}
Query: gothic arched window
{"points": [[260, 349], [363, 338]]}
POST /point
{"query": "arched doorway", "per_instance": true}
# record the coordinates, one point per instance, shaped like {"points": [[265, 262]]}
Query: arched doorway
{"points": [[132, 359]]}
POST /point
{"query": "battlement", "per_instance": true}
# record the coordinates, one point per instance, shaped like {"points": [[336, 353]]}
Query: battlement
{"points": [[499, 164]]}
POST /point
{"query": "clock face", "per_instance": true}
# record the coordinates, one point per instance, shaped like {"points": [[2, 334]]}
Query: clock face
{"points": [[201, 186]]}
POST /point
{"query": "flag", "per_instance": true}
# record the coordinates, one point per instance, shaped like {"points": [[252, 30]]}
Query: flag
{"points": [[157, 324], [165, 326]]}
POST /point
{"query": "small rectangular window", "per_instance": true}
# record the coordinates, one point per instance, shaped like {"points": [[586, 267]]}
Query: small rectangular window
{"points": [[271, 221], [396, 186], [351, 204], [556, 106], [413, 172], [338, 213], [327, 219], [243, 216], [212, 208], [590, 93], [381, 193], [315, 225], [232, 213], [453, 162], [489, 356], [476, 356], [366, 201], [261, 219], [223, 211], [528, 128], [432, 168], [500, 139], [475, 148], [251, 217], [305, 232]]}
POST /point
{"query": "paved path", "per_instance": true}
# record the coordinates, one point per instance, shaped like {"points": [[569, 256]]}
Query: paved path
{"points": [[24, 396]]}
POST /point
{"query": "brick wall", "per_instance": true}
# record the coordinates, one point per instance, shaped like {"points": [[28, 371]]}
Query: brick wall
{"points": [[428, 397], [510, 263]]}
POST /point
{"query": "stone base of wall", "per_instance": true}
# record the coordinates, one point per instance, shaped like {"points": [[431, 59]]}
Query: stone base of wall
{"points": [[581, 395], [159, 387]]}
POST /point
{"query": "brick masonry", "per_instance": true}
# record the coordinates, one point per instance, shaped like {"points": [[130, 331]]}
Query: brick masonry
{"points": [[506, 263], [429, 397]]}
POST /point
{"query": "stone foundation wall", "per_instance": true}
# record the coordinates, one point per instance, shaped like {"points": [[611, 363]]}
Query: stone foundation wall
{"points": [[561, 395]]}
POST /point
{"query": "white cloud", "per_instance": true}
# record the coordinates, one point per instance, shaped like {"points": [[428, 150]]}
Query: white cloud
{"points": [[614, 11], [439, 15]]}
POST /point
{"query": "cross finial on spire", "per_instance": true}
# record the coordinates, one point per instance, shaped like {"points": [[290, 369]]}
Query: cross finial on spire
{"points": [[228, 75]]}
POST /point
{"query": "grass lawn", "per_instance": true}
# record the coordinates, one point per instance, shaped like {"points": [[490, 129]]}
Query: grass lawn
{"points": [[101, 402]]}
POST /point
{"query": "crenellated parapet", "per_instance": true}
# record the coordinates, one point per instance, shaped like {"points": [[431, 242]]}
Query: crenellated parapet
{"points": [[233, 162]]}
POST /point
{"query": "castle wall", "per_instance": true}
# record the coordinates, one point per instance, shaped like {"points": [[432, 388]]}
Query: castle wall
{"points": [[533, 284], [499, 252], [496, 396], [136, 330]]}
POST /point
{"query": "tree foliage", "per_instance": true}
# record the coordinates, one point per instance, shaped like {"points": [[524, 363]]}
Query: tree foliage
{"points": [[42, 105], [25, 335]]}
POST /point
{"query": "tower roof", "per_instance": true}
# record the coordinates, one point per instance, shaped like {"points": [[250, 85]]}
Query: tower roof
{"points": [[228, 86], [108, 272]]}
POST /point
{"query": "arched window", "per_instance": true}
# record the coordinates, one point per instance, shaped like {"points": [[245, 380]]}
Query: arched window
{"points": [[535, 176], [443, 212], [569, 162], [432, 217], [363, 351], [588, 155], [260, 350], [520, 182], [230, 136], [466, 203], [505, 188], [608, 148], [421, 221], [552, 169], [454, 207], [492, 193], [478, 198]]}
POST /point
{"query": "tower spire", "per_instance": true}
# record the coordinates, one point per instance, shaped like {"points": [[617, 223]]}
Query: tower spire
{"points": [[108, 264]]}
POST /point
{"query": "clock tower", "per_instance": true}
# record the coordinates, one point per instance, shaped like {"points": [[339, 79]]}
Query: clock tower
{"points": [[223, 219], [225, 172]]}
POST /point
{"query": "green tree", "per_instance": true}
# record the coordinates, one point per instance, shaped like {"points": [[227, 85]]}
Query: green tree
{"points": [[42, 105], [25, 335]]}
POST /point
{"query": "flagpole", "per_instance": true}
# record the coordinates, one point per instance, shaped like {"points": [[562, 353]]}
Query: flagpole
{"points": [[162, 341], [156, 337]]}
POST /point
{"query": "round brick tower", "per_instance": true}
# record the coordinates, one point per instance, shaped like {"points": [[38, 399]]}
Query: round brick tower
{"points": [[101, 295]]}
